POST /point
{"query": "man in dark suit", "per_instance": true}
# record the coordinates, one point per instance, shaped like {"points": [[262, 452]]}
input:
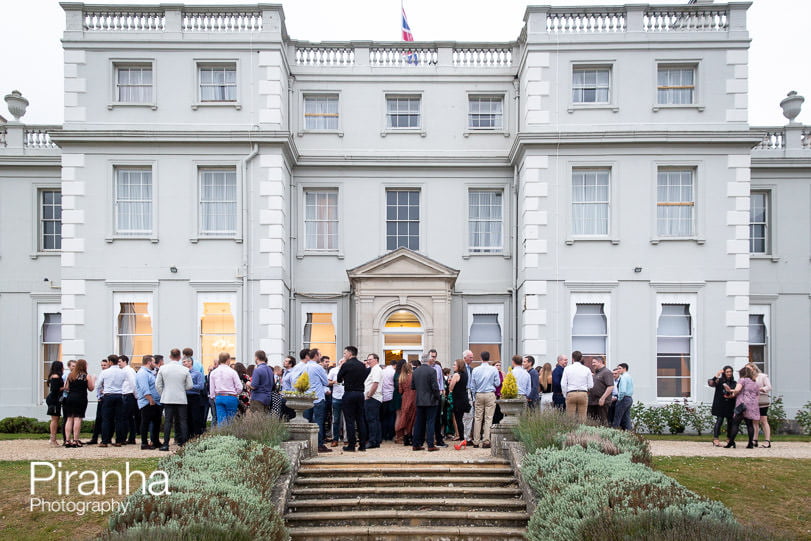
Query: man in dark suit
{"points": [[352, 375], [427, 399]]}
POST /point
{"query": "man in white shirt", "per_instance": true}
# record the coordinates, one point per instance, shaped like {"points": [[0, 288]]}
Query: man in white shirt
{"points": [[387, 412], [575, 383], [373, 393], [337, 397], [133, 422], [467, 418], [521, 377], [110, 384]]}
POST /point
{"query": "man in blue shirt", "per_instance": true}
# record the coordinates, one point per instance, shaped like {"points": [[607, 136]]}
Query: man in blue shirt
{"points": [[484, 380], [625, 393], [318, 383], [262, 383], [149, 403], [558, 398], [194, 398]]}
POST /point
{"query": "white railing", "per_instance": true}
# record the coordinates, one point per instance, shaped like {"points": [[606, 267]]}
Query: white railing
{"points": [[325, 56], [490, 57], [125, 21], [586, 21], [386, 57], [38, 138], [685, 20], [781, 138], [806, 138], [2, 136], [222, 21], [773, 139]]}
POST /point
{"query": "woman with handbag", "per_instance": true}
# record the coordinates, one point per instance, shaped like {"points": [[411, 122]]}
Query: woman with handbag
{"points": [[722, 407], [764, 400], [458, 395], [746, 405]]}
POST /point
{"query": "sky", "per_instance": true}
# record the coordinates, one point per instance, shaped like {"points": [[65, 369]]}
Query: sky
{"points": [[31, 53]]}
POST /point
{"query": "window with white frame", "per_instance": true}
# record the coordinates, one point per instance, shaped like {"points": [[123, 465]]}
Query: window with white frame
{"points": [[759, 216], [50, 340], [133, 326], [675, 202], [591, 84], [486, 330], [675, 85], [403, 112], [321, 220], [759, 337], [402, 219], [50, 219], [319, 328], [218, 82], [321, 112], [485, 112], [485, 221], [590, 331], [133, 83], [216, 313], [218, 201], [133, 201], [674, 350], [590, 201]]}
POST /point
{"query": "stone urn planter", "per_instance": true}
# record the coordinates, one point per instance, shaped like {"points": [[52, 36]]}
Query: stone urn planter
{"points": [[299, 404], [16, 103], [511, 408], [792, 104]]}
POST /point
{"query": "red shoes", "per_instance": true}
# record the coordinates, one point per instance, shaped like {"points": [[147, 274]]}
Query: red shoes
{"points": [[461, 445]]}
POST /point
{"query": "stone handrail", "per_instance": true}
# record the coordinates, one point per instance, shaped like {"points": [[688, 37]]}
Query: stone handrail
{"points": [[399, 54], [2, 136], [482, 57], [693, 18], [221, 19], [325, 56], [784, 138], [129, 19], [388, 56]]}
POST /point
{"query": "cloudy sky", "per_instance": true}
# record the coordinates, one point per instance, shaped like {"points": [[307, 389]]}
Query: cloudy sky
{"points": [[31, 57]]}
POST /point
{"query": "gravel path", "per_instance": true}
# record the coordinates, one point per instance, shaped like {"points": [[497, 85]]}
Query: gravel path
{"points": [[41, 450]]}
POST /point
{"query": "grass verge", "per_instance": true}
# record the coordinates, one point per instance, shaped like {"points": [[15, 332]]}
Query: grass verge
{"points": [[18, 522], [773, 493], [708, 437]]}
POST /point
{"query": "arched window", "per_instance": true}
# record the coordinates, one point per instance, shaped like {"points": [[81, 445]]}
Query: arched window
{"points": [[402, 336]]}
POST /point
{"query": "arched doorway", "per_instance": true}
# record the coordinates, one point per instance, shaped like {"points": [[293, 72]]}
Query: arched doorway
{"points": [[402, 336]]}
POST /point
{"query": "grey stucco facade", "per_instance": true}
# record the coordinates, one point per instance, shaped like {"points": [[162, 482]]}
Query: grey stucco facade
{"points": [[529, 131]]}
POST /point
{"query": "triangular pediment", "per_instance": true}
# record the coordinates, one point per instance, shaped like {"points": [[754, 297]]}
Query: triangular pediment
{"points": [[402, 263]]}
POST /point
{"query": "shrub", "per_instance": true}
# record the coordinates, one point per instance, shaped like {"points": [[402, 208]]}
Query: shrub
{"points": [[509, 387], [699, 417], [675, 417], [674, 523], [575, 484], [29, 425], [803, 418], [215, 480], [257, 427], [538, 429], [201, 531], [652, 418], [605, 439], [777, 414]]}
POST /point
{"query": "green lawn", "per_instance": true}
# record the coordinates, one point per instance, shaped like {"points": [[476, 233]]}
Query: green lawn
{"points": [[27, 436], [708, 437], [773, 493], [19, 523]]}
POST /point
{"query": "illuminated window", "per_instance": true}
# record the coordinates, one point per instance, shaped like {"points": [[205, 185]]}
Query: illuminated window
{"points": [[133, 328], [402, 336], [218, 329], [50, 337], [319, 333]]}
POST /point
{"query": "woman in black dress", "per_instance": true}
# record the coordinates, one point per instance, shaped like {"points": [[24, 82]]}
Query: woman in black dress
{"points": [[75, 405], [723, 406], [52, 400], [458, 391]]}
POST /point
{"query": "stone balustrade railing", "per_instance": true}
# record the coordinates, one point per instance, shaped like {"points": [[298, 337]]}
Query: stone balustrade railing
{"points": [[325, 56], [693, 19], [131, 19], [566, 20], [792, 137], [398, 56], [2, 136], [218, 20], [483, 57], [38, 137], [392, 54]]}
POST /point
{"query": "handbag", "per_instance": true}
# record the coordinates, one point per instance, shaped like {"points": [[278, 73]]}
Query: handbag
{"points": [[740, 409]]}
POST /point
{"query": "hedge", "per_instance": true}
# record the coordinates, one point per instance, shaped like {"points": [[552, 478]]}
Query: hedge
{"points": [[29, 425], [217, 484]]}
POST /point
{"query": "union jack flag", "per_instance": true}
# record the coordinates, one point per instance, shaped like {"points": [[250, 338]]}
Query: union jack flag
{"points": [[411, 57]]}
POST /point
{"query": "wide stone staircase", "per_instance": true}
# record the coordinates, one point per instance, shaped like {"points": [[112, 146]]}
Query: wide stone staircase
{"points": [[406, 499]]}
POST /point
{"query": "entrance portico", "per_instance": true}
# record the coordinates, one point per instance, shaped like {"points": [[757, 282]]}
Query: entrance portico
{"points": [[402, 305]]}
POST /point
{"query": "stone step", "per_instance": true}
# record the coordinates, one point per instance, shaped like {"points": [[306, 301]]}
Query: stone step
{"points": [[393, 470], [400, 492], [360, 458], [449, 480], [404, 517], [415, 533], [413, 504]]}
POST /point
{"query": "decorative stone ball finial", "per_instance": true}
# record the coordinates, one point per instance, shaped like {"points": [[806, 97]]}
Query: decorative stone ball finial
{"points": [[16, 104], [791, 105]]}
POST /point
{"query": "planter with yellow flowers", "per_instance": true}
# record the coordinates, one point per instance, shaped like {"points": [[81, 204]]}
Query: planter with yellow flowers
{"points": [[510, 403], [299, 400]]}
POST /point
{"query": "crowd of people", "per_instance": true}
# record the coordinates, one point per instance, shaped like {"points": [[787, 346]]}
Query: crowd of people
{"points": [[359, 404]]}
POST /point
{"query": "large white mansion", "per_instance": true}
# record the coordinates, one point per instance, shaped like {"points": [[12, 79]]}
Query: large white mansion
{"points": [[592, 185]]}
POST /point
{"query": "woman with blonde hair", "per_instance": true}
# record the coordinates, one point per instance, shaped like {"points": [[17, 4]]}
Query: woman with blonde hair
{"points": [[546, 384], [764, 401], [458, 392], [75, 404]]}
